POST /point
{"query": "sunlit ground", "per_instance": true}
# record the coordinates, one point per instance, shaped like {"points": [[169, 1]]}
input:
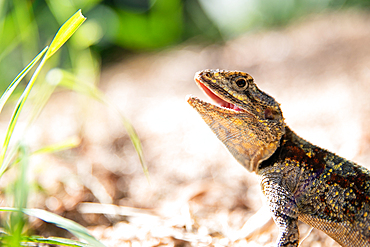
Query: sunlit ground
{"points": [[198, 195]]}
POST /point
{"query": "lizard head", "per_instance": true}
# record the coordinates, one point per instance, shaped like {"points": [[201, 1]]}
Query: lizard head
{"points": [[248, 121]]}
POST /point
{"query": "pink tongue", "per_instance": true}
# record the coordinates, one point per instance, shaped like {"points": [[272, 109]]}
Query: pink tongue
{"points": [[217, 99]]}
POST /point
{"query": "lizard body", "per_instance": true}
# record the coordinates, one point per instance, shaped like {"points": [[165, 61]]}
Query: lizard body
{"points": [[300, 181]]}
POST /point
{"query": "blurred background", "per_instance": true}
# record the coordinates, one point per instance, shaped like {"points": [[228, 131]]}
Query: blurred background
{"points": [[312, 56]]}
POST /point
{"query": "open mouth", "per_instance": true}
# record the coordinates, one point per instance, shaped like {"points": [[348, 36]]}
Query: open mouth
{"points": [[219, 101]]}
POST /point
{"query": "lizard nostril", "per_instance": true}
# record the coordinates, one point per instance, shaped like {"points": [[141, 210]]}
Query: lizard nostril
{"points": [[206, 74]]}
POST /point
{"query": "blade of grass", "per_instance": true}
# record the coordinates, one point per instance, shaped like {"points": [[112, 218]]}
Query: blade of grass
{"points": [[55, 241], [63, 34], [66, 144], [17, 220], [53, 148], [43, 94], [71, 226], [5, 238], [15, 115], [10, 157], [19, 78], [71, 82]]}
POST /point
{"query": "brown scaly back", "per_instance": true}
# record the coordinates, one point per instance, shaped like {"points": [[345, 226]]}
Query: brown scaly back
{"points": [[248, 121]]}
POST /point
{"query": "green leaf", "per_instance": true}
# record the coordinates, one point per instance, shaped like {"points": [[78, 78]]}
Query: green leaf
{"points": [[66, 144], [15, 115], [71, 226], [65, 32], [55, 241], [19, 78]]}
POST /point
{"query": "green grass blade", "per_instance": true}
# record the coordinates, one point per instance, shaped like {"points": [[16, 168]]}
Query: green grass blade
{"points": [[71, 82], [55, 241], [66, 144], [19, 78], [25, 240], [71, 226], [53, 148], [65, 32], [16, 113], [133, 137], [44, 92], [12, 155], [21, 190]]}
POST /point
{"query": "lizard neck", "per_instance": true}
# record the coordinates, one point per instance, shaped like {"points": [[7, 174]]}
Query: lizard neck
{"points": [[294, 148]]}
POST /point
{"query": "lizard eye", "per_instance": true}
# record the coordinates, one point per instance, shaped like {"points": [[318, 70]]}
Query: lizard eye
{"points": [[241, 83]]}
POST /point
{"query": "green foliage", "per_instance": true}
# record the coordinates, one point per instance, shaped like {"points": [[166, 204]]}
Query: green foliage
{"points": [[51, 240], [17, 220], [160, 26], [64, 33], [14, 234], [4, 98], [71, 226], [139, 25], [18, 154]]}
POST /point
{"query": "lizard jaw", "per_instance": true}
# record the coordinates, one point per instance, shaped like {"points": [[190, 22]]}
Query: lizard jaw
{"points": [[226, 128], [219, 101], [201, 105]]}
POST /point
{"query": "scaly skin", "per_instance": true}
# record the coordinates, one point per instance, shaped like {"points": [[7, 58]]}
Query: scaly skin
{"points": [[299, 180]]}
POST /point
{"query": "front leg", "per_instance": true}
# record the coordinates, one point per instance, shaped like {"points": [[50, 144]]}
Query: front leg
{"points": [[288, 230], [284, 211]]}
